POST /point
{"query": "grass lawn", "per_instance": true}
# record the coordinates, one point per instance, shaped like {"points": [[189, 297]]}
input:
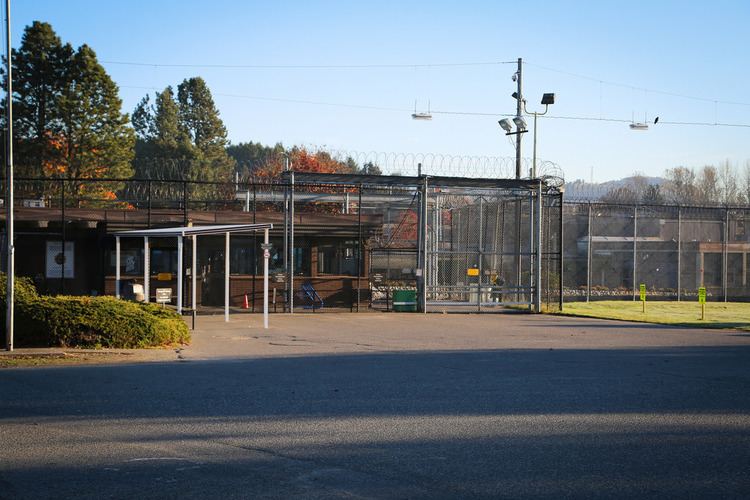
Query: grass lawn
{"points": [[718, 314]]}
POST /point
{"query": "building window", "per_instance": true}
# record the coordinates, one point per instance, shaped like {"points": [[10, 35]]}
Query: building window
{"points": [[338, 258]]}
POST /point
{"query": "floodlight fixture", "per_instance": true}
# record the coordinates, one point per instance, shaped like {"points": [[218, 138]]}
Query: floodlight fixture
{"points": [[505, 124], [520, 122], [548, 99]]}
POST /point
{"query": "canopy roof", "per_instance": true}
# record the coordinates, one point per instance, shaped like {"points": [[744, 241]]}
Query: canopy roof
{"points": [[195, 230]]}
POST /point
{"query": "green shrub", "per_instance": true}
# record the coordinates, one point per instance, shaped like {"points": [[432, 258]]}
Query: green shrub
{"points": [[69, 321]]}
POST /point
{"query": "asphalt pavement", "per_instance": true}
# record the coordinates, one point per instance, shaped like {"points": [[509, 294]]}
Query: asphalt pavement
{"points": [[391, 406]]}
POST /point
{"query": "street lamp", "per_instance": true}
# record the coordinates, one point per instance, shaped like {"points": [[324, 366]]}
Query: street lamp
{"points": [[547, 99]]}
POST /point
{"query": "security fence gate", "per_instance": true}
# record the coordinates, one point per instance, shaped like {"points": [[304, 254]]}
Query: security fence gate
{"points": [[484, 247]]}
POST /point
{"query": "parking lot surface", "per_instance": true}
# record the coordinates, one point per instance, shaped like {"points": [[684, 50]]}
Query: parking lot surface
{"points": [[391, 406]]}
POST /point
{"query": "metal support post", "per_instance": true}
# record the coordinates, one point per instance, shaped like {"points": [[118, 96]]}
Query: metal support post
{"points": [[588, 259], [184, 203], [148, 203], [679, 253], [531, 250], [359, 246], [265, 282], [62, 233], [117, 267], [146, 269], [286, 233], [179, 274], [519, 109], [725, 251], [9, 227], [635, 250], [226, 277], [194, 277], [538, 297], [562, 255], [291, 243], [255, 245], [480, 254], [422, 247]]}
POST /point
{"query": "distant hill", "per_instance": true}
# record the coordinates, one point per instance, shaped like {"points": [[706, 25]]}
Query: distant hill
{"points": [[587, 191]]}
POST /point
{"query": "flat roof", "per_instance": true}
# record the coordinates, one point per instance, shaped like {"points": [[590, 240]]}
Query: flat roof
{"points": [[398, 180], [195, 230]]}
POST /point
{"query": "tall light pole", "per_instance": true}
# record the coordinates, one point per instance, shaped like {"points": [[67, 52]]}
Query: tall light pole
{"points": [[9, 295], [518, 78], [547, 99]]}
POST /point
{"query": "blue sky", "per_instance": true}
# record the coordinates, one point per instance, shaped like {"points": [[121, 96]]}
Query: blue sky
{"points": [[688, 48]]}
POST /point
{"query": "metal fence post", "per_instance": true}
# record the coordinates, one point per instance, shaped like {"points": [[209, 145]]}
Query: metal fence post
{"points": [[148, 202], [562, 240], [679, 252], [588, 258], [185, 202], [538, 291], [62, 234], [531, 250], [255, 247], [635, 249], [421, 250], [725, 280], [480, 253], [291, 242], [359, 246]]}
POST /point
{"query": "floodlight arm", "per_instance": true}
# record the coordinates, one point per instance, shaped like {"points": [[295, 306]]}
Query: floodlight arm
{"points": [[546, 108]]}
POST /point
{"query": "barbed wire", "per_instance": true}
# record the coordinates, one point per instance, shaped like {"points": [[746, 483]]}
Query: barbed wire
{"points": [[448, 165]]}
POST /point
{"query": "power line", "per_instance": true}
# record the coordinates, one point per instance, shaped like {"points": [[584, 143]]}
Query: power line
{"points": [[423, 66], [455, 113], [308, 66], [634, 87]]}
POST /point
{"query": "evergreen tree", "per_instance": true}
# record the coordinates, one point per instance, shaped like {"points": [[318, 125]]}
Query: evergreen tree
{"points": [[182, 137], [251, 156], [95, 139], [200, 119], [67, 115], [39, 76], [162, 143]]}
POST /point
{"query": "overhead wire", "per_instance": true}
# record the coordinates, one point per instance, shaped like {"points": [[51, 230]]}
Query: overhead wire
{"points": [[636, 87], [449, 112], [309, 66]]}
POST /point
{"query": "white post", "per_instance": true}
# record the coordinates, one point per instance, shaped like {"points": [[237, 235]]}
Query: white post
{"points": [[265, 281], [117, 267], [179, 274], [193, 272], [226, 277], [146, 268]]}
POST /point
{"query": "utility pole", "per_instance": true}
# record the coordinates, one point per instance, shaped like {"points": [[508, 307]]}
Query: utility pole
{"points": [[9, 296], [519, 104]]}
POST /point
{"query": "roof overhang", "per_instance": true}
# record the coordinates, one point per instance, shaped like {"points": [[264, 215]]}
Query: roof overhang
{"points": [[195, 230]]}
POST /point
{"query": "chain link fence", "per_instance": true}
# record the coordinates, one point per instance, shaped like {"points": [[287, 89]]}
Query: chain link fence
{"points": [[609, 250]]}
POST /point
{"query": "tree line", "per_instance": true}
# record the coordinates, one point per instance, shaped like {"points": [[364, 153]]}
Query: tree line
{"points": [[726, 184], [69, 125]]}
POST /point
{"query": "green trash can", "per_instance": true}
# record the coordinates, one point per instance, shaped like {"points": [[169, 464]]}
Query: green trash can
{"points": [[404, 301]]}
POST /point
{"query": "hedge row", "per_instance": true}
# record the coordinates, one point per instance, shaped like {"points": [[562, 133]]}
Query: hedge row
{"points": [[69, 321]]}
